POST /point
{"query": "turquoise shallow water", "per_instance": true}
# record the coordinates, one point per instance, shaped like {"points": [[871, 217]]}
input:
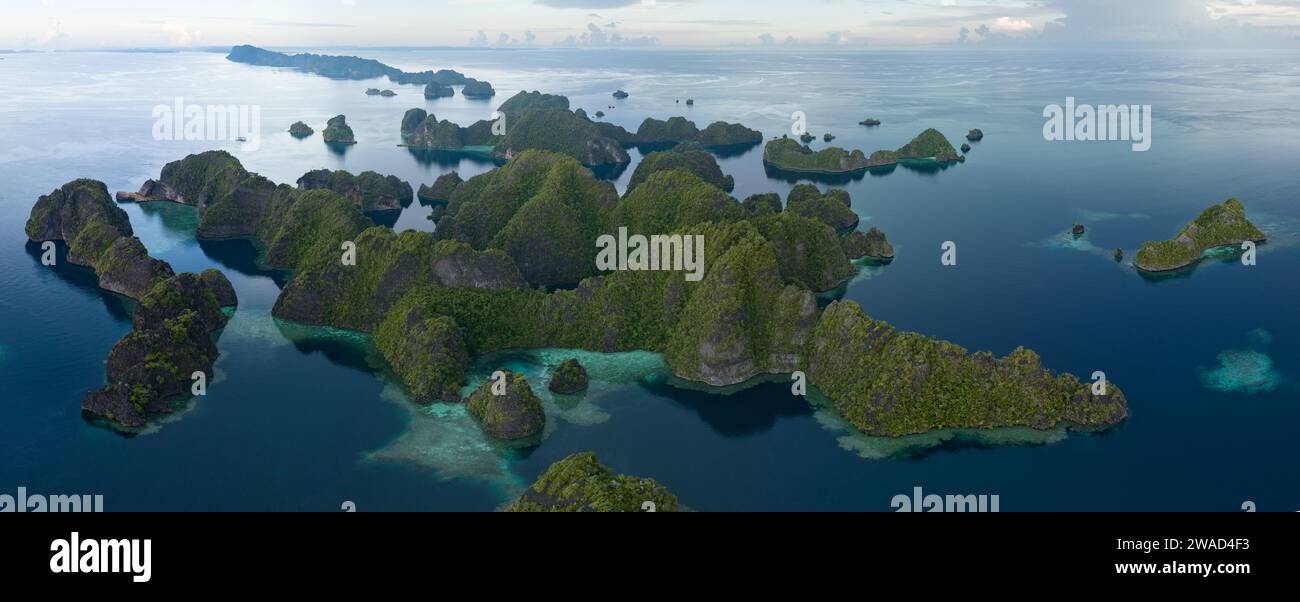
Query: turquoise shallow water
{"points": [[302, 418]]}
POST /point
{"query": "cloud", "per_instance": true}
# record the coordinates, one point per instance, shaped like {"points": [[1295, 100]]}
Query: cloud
{"points": [[1007, 24], [52, 36], [595, 36], [1150, 21], [180, 35]]}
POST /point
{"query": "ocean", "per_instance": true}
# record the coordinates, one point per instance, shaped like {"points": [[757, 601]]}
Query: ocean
{"points": [[301, 418]]}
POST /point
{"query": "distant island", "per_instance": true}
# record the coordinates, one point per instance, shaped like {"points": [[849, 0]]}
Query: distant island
{"points": [[477, 89], [787, 154], [300, 130], [1219, 225], [537, 121], [337, 131], [436, 90], [346, 67]]}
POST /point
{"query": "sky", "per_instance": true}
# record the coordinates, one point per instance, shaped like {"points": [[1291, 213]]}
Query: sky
{"points": [[94, 24]]}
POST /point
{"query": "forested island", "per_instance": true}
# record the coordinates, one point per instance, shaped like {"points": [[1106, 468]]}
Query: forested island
{"points": [[787, 154], [511, 266], [1219, 225], [537, 121], [176, 317], [348, 67]]}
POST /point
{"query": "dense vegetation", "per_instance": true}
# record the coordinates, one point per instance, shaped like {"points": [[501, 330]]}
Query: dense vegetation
{"points": [[474, 286], [369, 190], [787, 154], [337, 131], [1219, 225], [580, 483], [174, 317]]}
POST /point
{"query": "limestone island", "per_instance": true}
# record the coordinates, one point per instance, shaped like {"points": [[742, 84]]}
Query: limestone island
{"points": [[538, 121], [1222, 225], [369, 190], [975, 135], [176, 317], [869, 122], [568, 378], [338, 132], [620, 94], [477, 89], [378, 92], [788, 155], [300, 130], [511, 266], [437, 90], [580, 483], [516, 413]]}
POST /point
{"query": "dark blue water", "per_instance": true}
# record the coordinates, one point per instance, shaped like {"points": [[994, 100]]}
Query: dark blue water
{"points": [[301, 418]]}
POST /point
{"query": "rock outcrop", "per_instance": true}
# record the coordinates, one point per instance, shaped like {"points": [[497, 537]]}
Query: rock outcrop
{"points": [[337, 131], [517, 413], [426, 350], [368, 190], [477, 89], [580, 483], [436, 90], [300, 130], [872, 245], [568, 378], [170, 343], [442, 188], [829, 208], [98, 235]]}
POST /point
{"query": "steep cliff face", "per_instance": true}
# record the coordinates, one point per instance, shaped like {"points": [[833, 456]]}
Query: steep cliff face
{"points": [[357, 297], [426, 350], [368, 190], [98, 235], [171, 341]]}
